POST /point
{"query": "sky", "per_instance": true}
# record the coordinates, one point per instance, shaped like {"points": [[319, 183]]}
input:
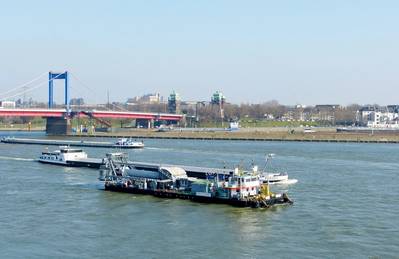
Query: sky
{"points": [[295, 52]]}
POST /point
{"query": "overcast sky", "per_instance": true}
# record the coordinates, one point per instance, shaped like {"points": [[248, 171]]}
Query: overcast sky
{"points": [[296, 52]]}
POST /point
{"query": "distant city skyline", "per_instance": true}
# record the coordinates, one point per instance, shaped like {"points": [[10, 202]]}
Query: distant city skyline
{"points": [[295, 52]]}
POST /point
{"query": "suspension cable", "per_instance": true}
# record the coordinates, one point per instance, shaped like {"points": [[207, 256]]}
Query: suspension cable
{"points": [[23, 85], [91, 91], [31, 88]]}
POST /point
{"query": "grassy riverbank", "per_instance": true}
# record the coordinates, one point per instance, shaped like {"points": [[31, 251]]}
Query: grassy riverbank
{"points": [[259, 134], [327, 135]]}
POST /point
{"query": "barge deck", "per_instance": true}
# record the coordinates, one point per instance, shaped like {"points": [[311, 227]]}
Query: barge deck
{"points": [[192, 171]]}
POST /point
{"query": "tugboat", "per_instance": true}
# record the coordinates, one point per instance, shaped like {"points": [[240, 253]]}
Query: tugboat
{"points": [[128, 143], [63, 156], [238, 189]]}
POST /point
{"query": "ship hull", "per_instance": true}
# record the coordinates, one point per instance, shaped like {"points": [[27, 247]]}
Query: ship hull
{"points": [[76, 163], [203, 199]]}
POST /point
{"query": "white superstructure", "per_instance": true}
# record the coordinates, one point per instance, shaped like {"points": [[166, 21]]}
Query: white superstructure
{"points": [[62, 156], [242, 185]]}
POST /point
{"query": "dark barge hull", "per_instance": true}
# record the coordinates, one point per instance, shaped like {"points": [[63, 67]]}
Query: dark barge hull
{"points": [[95, 165], [72, 143], [171, 194]]}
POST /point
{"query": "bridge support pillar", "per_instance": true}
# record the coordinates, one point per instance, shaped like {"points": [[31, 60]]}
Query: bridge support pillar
{"points": [[150, 124], [144, 123], [58, 126]]}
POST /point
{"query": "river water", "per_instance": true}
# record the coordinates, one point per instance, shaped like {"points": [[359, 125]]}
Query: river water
{"points": [[346, 205]]}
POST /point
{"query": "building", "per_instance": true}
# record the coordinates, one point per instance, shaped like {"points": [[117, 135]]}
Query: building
{"points": [[77, 101], [363, 114], [393, 108], [7, 104], [152, 98], [298, 113], [219, 99], [378, 116], [325, 112], [174, 103]]}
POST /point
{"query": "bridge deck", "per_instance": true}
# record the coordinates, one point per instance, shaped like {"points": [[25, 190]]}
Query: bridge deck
{"points": [[17, 112]]}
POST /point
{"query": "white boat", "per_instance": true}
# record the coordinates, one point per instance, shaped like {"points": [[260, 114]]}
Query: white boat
{"points": [[128, 143], [276, 178], [63, 156], [308, 130], [273, 177]]}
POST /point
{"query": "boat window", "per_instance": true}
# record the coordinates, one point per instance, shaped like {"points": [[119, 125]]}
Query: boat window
{"points": [[71, 150]]}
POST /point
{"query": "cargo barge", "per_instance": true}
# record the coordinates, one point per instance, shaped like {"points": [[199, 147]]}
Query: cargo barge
{"points": [[66, 156], [73, 157], [120, 143], [239, 188]]}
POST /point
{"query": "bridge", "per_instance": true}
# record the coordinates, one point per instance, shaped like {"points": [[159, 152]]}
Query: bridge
{"points": [[63, 113], [58, 120]]}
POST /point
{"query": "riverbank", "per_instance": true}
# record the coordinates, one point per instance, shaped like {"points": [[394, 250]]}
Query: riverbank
{"points": [[23, 129], [326, 135]]}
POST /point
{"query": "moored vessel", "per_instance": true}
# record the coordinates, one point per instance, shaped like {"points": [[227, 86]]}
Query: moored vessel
{"points": [[128, 143], [120, 143]]}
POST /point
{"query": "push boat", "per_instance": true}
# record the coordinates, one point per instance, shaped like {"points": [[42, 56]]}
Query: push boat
{"points": [[128, 143], [239, 188]]}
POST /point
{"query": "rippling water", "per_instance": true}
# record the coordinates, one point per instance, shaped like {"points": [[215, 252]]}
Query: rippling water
{"points": [[346, 206]]}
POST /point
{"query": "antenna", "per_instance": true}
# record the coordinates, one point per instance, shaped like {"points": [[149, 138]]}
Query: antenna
{"points": [[268, 158], [108, 99]]}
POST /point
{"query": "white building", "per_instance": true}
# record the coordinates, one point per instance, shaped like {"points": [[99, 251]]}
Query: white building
{"points": [[147, 98], [7, 104], [378, 117]]}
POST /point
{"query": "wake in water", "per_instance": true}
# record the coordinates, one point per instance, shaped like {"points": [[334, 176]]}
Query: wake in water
{"points": [[285, 182], [203, 151], [16, 158], [160, 148]]}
